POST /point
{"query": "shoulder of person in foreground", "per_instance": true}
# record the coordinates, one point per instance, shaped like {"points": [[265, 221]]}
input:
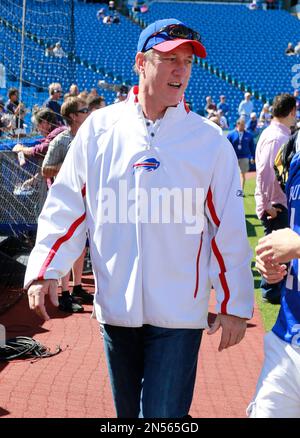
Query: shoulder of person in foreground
{"points": [[61, 132], [55, 152], [103, 119], [211, 136], [204, 125]]}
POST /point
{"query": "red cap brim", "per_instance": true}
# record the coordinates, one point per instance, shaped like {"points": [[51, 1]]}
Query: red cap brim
{"points": [[167, 46]]}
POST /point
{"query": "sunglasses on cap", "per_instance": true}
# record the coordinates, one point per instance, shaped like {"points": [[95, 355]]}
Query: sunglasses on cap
{"points": [[175, 31], [83, 111]]}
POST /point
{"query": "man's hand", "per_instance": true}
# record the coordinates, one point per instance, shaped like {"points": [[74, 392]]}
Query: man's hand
{"points": [[272, 272], [279, 247], [36, 296], [273, 212], [233, 330], [18, 148]]}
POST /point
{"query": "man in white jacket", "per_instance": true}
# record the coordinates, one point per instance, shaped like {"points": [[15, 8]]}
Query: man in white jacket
{"points": [[157, 189]]}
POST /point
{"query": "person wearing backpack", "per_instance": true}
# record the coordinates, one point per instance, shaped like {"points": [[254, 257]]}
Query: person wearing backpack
{"points": [[271, 206], [284, 157]]}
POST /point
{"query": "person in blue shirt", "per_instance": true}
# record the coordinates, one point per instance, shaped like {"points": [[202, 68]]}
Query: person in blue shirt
{"points": [[222, 105], [243, 144], [278, 389], [55, 92]]}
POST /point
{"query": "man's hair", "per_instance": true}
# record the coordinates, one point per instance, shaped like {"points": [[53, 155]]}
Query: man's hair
{"points": [[147, 55], [95, 102], [46, 114], [283, 104], [70, 106], [12, 92], [239, 121], [54, 87], [72, 88]]}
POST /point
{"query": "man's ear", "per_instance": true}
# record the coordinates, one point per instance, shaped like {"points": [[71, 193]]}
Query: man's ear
{"points": [[72, 117], [140, 62]]}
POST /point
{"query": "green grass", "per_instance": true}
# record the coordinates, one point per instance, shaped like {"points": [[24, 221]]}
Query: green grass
{"points": [[255, 231]]}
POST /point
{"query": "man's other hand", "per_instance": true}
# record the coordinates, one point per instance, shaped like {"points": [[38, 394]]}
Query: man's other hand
{"points": [[36, 296], [233, 330]]}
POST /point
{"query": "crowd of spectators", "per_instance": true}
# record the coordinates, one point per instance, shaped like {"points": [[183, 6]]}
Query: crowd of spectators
{"points": [[248, 127], [110, 16], [13, 112], [56, 122], [220, 113], [267, 4]]}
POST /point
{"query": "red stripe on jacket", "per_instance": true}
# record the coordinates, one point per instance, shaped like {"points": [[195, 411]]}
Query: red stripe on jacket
{"points": [[61, 240], [135, 90], [221, 275], [211, 208], [186, 107], [197, 266], [218, 255], [57, 245]]}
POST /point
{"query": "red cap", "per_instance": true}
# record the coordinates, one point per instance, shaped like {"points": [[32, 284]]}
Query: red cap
{"points": [[167, 46]]}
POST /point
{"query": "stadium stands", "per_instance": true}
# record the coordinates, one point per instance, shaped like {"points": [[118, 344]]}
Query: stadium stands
{"points": [[245, 48]]}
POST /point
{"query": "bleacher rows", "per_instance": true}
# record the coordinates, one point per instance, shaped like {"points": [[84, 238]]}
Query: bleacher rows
{"points": [[245, 49]]}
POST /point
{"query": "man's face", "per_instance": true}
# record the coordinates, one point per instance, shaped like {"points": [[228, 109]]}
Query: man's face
{"points": [[122, 97], [166, 75], [44, 127], [80, 115], [14, 97], [241, 126], [57, 94]]}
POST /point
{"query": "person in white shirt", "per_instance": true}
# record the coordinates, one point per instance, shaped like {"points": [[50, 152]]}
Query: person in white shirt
{"points": [[155, 257], [58, 51], [246, 107], [223, 120], [297, 48]]}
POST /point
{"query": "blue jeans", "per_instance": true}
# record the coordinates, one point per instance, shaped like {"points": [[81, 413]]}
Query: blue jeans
{"points": [[272, 292], [158, 363]]}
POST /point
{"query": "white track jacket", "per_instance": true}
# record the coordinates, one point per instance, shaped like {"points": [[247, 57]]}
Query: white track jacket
{"points": [[148, 272]]}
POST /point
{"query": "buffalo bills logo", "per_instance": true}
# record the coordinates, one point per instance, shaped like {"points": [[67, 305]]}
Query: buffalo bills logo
{"points": [[150, 164]]}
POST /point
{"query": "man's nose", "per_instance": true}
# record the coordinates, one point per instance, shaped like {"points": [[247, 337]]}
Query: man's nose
{"points": [[181, 67]]}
